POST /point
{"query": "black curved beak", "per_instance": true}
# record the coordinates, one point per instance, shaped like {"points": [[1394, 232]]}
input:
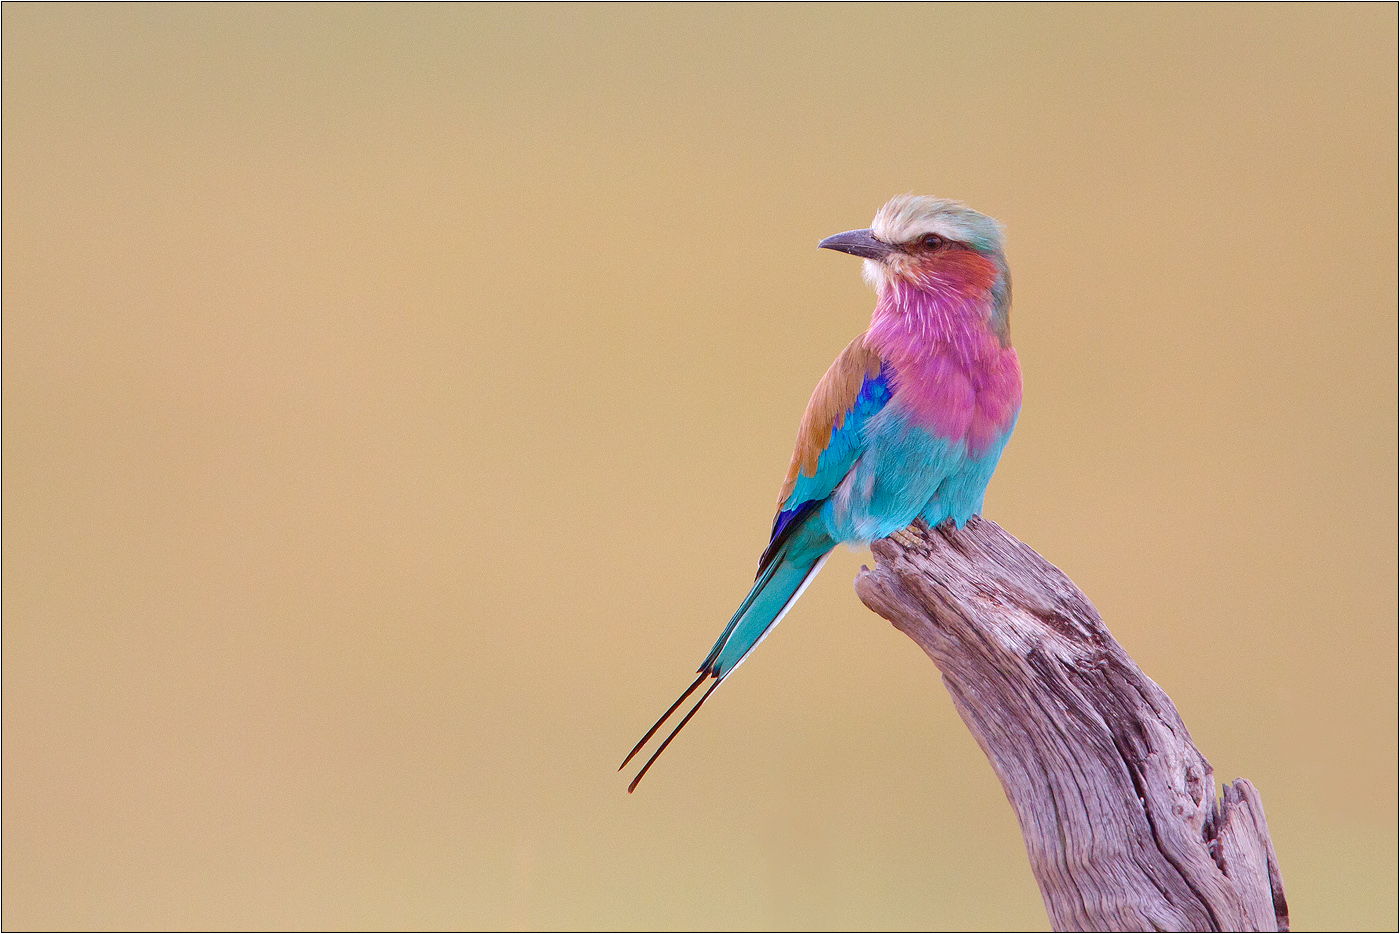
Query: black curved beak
{"points": [[857, 243]]}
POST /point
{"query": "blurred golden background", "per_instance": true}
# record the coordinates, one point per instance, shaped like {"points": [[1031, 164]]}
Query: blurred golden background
{"points": [[395, 399]]}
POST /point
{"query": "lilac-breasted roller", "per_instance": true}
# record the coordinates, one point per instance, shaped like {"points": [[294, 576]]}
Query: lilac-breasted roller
{"points": [[909, 421]]}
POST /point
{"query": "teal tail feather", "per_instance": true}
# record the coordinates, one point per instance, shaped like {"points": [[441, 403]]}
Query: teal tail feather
{"points": [[768, 602], [787, 574]]}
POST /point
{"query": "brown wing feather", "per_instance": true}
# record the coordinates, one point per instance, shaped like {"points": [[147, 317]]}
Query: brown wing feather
{"points": [[826, 411]]}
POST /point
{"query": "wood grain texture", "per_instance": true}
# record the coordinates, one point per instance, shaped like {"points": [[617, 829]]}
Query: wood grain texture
{"points": [[1116, 803]]}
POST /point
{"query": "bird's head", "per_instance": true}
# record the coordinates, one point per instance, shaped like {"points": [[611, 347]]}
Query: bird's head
{"points": [[934, 245]]}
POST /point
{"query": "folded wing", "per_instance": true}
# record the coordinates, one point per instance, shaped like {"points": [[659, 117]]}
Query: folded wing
{"points": [[855, 387]]}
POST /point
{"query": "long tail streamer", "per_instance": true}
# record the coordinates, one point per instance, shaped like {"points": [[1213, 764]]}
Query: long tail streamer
{"points": [[664, 717], [684, 720]]}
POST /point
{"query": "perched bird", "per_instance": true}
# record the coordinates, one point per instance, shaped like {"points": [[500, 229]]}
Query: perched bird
{"points": [[909, 421]]}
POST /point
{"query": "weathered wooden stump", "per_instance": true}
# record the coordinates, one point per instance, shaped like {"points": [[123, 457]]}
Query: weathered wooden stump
{"points": [[1116, 804]]}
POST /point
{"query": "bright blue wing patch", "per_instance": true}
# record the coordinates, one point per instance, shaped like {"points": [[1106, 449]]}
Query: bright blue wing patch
{"points": [[840, 454]]}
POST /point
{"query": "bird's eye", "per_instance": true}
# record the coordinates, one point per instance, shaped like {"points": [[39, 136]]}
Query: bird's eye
{"points": [[933, 241]]}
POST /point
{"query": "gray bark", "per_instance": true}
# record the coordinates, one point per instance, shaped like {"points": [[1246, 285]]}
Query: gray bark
{"points": [[1116, 804]]}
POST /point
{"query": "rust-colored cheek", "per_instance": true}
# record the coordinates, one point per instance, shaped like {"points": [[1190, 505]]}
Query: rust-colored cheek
{"points": [[965, 270]]}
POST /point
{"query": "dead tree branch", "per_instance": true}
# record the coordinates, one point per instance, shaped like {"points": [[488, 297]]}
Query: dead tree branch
{"points": [[1116, 804]]}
